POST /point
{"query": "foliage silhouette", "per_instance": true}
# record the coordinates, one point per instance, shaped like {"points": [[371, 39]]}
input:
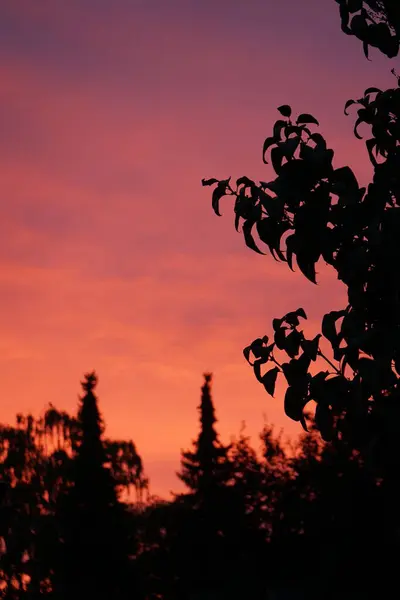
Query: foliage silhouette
{"points": [[312, 211], [36, 458], [269, 509], [375, 22]]}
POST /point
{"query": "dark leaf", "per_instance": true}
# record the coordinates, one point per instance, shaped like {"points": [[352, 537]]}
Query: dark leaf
{"points": [[280, 338], [310, 347], [319, 140], [246, 353], [371, 144], [289, 147], [276, 158], [305, 118], [372, 90], [244, 181], [269, 380], [277, 131], [248, 238], [270, 141], [358, 122], [237, 220], [329, 325], [208, 181], [256, 347], [303, 422], [292, 343], [366, 50], [290, 249], [301, 313], [294, 403], [257, 370], [348, 104], [306, 265], [285, 110], [218, 193], [346, 179]]}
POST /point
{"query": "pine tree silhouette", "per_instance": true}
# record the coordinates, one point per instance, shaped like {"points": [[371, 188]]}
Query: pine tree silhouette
{"points": [[94, 562], [205, 471], [207, 466]]}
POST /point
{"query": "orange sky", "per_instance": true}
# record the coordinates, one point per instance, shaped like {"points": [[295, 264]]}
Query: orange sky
{"points": [[110, 255]]}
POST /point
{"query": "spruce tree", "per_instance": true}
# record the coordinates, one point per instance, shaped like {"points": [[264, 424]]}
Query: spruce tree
{"points": [[206, 470], [206, 467], [94, 561]]}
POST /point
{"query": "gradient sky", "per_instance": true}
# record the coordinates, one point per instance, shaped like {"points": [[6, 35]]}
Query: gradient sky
{"points": [[111, 257]]}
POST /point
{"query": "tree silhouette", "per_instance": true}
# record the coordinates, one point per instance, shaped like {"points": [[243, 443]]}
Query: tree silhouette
{"points": [[207, 465], [205, 471], [320, 212], [95, 549], [36, 457]]}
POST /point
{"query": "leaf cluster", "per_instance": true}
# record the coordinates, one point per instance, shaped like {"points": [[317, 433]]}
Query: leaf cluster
{"points": [[375, 22], [311, 211]]}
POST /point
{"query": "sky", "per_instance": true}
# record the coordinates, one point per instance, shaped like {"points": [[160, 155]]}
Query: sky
{"points": [[111, 257]]}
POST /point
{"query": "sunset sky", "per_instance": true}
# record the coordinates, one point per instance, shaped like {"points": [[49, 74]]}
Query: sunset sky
{"points": [[111, 257]]}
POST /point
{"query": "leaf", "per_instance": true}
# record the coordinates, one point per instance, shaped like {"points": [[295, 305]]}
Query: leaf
{"points": [[244, 181], [347, 105], [305, 118], [237, 220], [357, 124], [366, 50], [248, 238], [290, 249], [218, 193], [372, 90], [271, 232], [285, 110], [257, 370], [292, 343], [329, 325], [371, 144], [280, 338], [246, 352], [289, 147], [292, 318], [301, 313], [276, 158], [269, 380], [303, 422], [306, 265], [277, 131], [310, 347], [208, 181], [270, 141], [345, 177], [317, 385], [294, 403], [319, 140]]}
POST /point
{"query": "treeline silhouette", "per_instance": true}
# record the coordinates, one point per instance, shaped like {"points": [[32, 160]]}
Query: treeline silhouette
{"points": [[274, 521]]}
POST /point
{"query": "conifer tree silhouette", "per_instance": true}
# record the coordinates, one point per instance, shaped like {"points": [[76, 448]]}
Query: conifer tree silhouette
{"points": [[205, 471], [207, 466], [94, 562]]}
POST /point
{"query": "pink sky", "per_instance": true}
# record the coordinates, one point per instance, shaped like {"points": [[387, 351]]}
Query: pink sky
{"points": [[110, 255]]}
